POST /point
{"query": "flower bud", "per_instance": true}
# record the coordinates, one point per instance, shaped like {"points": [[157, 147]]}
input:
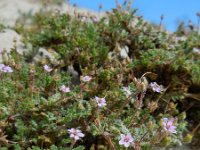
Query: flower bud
{"points": [[11, 119], [80, 106], [166, 141], [32, 68], [172, 105], [150, 125], [182, 116], [135, 81], [188, 138], [56, 77], [144, 80], [152, 106], [138, 104], [114, 130], [17, 67], [143, 87]]}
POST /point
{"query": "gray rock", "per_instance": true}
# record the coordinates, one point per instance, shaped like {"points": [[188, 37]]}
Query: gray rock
{"points": [[10, 39], [75, 77], [45, 54], [196, 50], [11, 10], [124, 52]]}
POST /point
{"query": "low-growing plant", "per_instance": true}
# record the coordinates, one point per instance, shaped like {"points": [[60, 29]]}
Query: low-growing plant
{"points": [[40, 106], [138, 102]]}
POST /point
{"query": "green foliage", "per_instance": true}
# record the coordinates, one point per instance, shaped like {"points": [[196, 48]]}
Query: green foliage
{"points": [[2, 27], [36, 114]]}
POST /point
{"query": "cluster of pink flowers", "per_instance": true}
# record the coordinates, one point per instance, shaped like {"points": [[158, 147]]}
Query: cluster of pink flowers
{"points": [[126, 140], [5, 69], [168, 125], [101, 102], [75, 134], [156, 88], [65, 89]]}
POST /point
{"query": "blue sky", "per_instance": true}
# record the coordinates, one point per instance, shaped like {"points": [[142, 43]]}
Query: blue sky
{"points": [[173, 10]]}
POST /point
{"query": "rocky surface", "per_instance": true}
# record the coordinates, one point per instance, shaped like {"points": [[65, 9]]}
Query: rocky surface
{"points": [[10, 39], [12, 10]]}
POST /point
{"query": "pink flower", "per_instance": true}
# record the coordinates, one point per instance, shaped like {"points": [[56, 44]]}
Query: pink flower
{"points": [[84, 19], [126, 140], [76, 134], [65, 89], [1, 51], [127, 91], [86, 78], [168, 125], [95, 19], [47, 68], [1, 67], [156, 88], [5, 69], [101, 102]]}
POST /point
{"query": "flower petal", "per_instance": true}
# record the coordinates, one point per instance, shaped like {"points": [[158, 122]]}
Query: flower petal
{"points": [[172, 129], [121, 142], [80, 134], [122, 136], [126, 144], [76, 138], [72, 135], [170, 122], [72, 130]]}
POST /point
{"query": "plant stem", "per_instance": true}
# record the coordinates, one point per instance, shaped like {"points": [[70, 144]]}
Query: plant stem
{"points": [[81, 89]]}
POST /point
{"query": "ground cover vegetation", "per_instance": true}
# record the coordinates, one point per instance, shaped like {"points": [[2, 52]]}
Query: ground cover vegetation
{"points": [[147, 99]]}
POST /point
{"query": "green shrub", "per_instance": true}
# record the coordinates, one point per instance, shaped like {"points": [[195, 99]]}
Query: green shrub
{"points": [[41, 108]]}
